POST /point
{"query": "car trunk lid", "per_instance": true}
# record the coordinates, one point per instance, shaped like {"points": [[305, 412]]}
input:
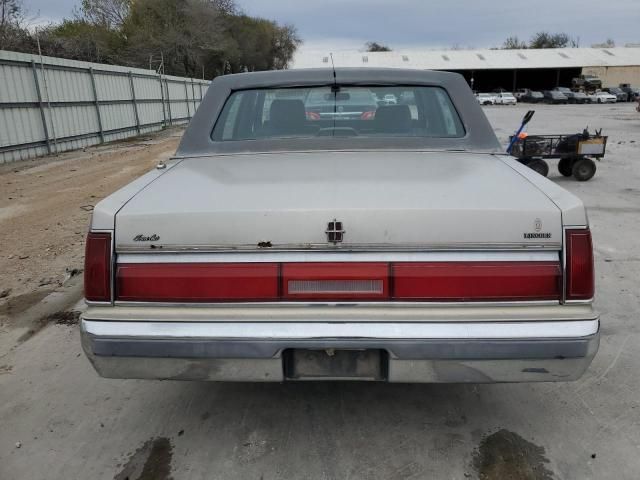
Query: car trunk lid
{"points": [[381, 199]]}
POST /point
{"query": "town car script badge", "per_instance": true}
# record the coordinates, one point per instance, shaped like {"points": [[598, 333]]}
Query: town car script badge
{"points": [[146, 238]]}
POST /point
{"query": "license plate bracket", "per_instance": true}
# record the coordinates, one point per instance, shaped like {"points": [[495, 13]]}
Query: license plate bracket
{"points": [[335, 364]]}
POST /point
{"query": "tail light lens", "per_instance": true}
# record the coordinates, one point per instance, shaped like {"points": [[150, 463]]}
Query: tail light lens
{"points": [[368, 115], [313, 116], [477, 281], [97, 267], [335, 281], [371, 281], [580, 273], [197, 282]]}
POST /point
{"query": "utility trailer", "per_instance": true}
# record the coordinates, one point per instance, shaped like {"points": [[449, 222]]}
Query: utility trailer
{"points": [[575, 151]]}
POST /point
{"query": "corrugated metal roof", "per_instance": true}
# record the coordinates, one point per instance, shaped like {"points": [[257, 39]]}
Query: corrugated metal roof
{"points": [[473, 59]]}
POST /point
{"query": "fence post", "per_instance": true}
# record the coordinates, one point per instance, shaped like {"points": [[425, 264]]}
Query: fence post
{"points": [[166, 84], [41, 105], [164, 110], [186, 99], [193, 95], [135, 103], [97, 103]]}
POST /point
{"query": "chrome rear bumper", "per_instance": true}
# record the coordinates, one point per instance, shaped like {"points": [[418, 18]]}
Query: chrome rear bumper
{"points": [[416, 352]]}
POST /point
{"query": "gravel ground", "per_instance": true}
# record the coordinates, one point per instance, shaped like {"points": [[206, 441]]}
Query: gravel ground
{"points": [[58, 420], [45, 206]]}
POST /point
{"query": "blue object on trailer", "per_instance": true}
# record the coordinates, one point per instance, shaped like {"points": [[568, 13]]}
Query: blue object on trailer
{"points": [[527, 118]]}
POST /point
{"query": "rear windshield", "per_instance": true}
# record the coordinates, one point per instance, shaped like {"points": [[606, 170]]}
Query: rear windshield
{"points": [[409, 111]]}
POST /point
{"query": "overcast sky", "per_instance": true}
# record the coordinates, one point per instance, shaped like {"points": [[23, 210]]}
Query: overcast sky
{"points": [[347, 24]]}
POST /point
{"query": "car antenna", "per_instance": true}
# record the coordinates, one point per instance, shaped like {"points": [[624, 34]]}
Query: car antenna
{"points": [[335, 87]]}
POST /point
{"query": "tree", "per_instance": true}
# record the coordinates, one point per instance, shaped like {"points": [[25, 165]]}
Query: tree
{"points": [[13, 34], [608, 43], [194, 37], [9, 11], [513, 43], [106, 13], [81, 40], [552, 40], [376, 47]]}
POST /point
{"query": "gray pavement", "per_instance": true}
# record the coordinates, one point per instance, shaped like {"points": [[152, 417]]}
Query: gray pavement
{"points": [[59, 420]]}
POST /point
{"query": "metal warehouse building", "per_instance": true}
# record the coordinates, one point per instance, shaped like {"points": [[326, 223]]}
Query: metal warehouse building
{"points": [[486, 70]]}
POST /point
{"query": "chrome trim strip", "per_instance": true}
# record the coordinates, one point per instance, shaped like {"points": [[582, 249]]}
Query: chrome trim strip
{"points": [[351, 330], [558, 349], [323, 247], [337, 256], [532, 303]]}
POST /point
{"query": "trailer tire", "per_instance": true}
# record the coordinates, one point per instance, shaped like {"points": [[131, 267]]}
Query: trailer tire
{"points": [[584, 169], [539, 166], [565, 167]]}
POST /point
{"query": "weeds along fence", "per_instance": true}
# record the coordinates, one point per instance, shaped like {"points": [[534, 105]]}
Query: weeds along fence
{"points": [[50, 105]]}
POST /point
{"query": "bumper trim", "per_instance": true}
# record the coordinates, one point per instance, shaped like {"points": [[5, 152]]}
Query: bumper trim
{"points": [[341, 330], [417, 352], [398, 349]]}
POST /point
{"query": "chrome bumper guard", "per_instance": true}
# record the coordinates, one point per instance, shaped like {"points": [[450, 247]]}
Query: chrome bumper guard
{"points": [[417, 352]]}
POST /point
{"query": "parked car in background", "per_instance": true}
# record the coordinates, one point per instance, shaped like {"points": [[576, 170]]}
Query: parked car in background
{"points": [[579, 97], [486, 98], [264, 251], [621, 95], [354, 105], [505, 98], [602, 97], [632, 92], [586, 82], [533, 96], [520, 93], [390, 99], [555, 97], [572, 97]]}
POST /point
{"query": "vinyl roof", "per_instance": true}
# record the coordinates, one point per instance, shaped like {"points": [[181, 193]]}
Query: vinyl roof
{"points": [[473, 59]]}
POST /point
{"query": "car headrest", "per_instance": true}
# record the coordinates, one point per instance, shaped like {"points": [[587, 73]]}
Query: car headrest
{"points": [[287, 114], [393, 119]]}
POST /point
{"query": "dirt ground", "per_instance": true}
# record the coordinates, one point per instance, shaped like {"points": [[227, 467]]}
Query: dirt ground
{"points": [[60, 420], [45, 207]]}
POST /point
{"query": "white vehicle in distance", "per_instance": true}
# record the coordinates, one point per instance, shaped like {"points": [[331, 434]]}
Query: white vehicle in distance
{"points": [[404, 246], [390, 99], [486, 98], [602, 97], [505, 98]]}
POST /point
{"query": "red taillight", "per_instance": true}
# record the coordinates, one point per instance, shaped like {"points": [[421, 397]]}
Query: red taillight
{"points": [[313, 116], [335, 281], [97, 267], [580, 274], [247, 282], [477, 281], [368, 115], [197, 282]]}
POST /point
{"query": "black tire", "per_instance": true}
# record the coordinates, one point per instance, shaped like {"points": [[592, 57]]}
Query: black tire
{"points": [[565, 167], [599, 100], [584, 169], [539, 166]]}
